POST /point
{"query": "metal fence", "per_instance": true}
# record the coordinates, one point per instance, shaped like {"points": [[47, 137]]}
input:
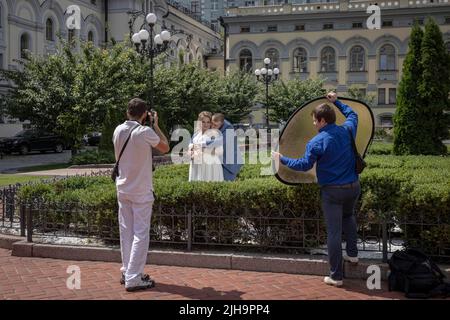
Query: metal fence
{"points": [[282, 230]]}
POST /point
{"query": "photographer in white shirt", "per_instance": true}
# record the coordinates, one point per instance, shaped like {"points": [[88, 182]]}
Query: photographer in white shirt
{"points": [[135, 190]]}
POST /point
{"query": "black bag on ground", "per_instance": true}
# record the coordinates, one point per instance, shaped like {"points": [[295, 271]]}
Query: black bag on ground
{"points": [[415, 274]]}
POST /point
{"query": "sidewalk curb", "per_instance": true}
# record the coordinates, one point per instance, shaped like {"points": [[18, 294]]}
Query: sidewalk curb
{"points": [[7, 241], [306, 265], [291, 264]]}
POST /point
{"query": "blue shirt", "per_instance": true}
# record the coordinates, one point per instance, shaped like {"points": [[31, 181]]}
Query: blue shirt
{"points": [[332, 149]]}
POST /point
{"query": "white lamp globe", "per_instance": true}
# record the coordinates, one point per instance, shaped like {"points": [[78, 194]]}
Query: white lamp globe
{"points": [[269, 72], [257, 72], [276, 71], [158, 39], [263, 71], [267, 61], [151, 18], [144, 35], [165, 35], [136, 38]]}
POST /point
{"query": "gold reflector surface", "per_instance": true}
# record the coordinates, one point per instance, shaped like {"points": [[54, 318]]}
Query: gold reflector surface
{"points": [[299, 129]]}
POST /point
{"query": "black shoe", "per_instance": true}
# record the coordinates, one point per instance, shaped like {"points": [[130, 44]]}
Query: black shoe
{"points": [[144, 277]]}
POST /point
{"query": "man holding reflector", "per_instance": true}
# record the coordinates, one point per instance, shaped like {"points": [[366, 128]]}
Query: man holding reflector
{"points": [[339, 184]]}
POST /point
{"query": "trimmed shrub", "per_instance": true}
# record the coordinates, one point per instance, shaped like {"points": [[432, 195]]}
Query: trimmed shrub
{"points": [[257, 211], [94, 157]]}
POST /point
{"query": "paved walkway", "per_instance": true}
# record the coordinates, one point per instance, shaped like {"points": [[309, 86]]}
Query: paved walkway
{"points": [[38, 278], [64, 172], [14, 161]]}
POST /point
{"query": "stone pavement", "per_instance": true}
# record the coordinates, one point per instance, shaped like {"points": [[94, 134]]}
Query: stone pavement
{"points": [[39, 278]]}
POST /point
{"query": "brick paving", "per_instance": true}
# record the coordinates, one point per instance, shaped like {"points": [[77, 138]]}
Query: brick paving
{"points": [[39, 278]]}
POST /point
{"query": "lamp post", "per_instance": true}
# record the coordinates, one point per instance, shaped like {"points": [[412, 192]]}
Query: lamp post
{"points": [[149, 45], [267, 76]]}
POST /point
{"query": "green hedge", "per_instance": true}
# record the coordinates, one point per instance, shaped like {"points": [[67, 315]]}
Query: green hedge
{"points": [[411, 188], [93, 157], [380, 148]]}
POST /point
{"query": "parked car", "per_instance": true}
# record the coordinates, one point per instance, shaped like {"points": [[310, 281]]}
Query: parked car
{"points": [[32, 140], [93, 138]]}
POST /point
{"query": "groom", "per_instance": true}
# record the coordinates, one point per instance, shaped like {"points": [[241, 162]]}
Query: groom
{"points": [[231, 164]]}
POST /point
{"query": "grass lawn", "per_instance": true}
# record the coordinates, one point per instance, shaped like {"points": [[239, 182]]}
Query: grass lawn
{"points": [[7, 179]]}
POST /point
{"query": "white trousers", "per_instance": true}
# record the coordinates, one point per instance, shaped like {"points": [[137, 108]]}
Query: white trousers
{"points": [[135, 213]]}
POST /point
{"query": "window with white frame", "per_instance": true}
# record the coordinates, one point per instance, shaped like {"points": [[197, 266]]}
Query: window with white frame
{"points": [[328, 60], [387, 58], [300, 60], [392, 95], [245, 60], [357, 58], [274, 57], [381, 96], [214, 5]]}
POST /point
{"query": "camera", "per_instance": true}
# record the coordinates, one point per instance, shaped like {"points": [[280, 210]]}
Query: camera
{"points": [[151, 120]]}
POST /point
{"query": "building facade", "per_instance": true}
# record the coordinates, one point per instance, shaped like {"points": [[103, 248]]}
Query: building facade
{"points": [[331, 40], [35, 25]]}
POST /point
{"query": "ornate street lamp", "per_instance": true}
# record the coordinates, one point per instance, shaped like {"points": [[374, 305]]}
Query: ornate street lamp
{"points": [[267, 76], [149, 45]]}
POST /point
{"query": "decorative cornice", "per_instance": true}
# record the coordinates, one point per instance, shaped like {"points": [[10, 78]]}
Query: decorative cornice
{"points": [[20, 22]]}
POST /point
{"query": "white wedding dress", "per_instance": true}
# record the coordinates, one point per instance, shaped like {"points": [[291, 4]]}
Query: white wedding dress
{"points": [[206, 163]]}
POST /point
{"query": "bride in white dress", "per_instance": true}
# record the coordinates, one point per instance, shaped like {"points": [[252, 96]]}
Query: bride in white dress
{"points": [[206, 162]]}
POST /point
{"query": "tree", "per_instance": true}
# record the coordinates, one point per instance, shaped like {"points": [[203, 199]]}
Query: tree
{"points": [[72, 93], [420, 121], [409, 126], [355, 92], [434, 89], [237, 95], [182, 92], [285, 98], [105, 81]]}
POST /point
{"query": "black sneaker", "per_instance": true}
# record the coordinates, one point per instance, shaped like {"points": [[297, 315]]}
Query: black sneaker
{"points": [[144, 277], [141, 284]]}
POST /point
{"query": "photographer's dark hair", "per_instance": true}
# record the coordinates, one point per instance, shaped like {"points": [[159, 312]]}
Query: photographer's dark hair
{"points": [[324, 111], [136, 107]]}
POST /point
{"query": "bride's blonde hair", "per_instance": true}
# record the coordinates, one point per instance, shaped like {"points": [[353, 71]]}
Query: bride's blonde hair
{"points": [[202, 115]]}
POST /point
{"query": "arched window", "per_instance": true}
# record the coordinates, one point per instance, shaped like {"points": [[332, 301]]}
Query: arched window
{"points": [[300, 60], [447, 45], [91, 36], [245, 60], [274, 57], [49, 30], [24, 45], [328, 60], [357, 58], [387, 57], [190, 58]]}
